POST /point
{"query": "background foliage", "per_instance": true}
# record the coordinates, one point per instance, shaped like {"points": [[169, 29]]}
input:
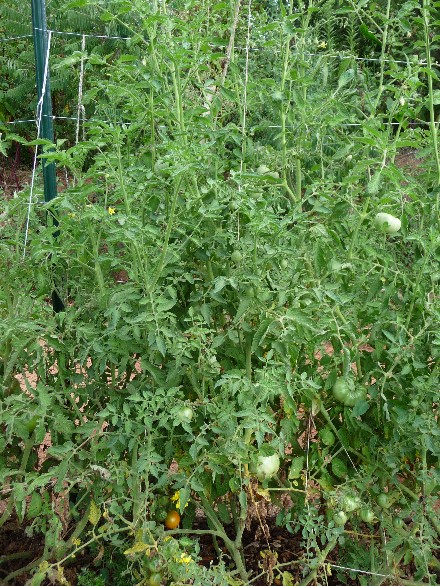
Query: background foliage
{"points": [[221, 269]]}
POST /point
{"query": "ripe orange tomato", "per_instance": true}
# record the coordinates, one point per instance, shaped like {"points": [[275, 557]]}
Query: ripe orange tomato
{"points": [[172, 520]]}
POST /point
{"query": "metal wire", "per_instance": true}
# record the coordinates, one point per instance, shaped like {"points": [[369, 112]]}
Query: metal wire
{"points": [[415, 123], [360, 571], [80, 108], [6, 39], [272, 49], [74, 34]]}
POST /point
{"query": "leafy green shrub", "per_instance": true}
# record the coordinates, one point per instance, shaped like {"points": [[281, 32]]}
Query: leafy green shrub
{"points": [[230, 304]]}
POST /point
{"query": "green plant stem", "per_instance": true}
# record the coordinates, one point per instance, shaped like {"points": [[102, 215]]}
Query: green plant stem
{"points": [[319, 561], [283, 117], [234, 547], [248, 357], [209, 271], [431, 516], [411, 582], [432, 121], [121, 178], [135, 478], [382, 58], [98, 271], [357, 358], [161, 263], [416, 287], [15, 556], [216, 546], [195, 385], [195, 532], [233, 503], [298, 179], [68, 394], [30, 566], [93, 539], [79, 528], [361, 218], [335, 431]]}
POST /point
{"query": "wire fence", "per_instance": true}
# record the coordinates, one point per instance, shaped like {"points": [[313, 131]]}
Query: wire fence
{"points": [[322, 55]]}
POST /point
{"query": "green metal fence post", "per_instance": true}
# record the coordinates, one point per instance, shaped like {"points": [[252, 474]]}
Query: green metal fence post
{"points": [[40, 35], [46, 129]]}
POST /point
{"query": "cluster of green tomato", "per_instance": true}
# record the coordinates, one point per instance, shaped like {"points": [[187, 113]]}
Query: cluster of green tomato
{"points": [[352, 504]]}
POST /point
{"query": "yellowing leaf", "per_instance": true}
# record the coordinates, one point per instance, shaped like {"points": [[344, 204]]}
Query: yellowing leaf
{"points": [[138, 547], [94, 513]]}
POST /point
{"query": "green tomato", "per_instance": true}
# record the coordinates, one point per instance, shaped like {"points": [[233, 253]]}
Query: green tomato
{"points": [[236, 257], [398, 523], [185, 415], [263, 169], [387, 223], [383, 500], [351, 503], [284, 263], [367, 515], [345, 391], [340, 518], [267, 467], [327, 436]]}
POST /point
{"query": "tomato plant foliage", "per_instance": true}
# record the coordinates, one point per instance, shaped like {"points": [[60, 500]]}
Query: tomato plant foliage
{"points": [[235, 323]]}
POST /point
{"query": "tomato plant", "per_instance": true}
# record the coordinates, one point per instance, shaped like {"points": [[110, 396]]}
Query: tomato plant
{"points": [[235, 312]]}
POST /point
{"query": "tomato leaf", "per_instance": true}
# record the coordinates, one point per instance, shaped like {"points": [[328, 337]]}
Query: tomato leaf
{"points": [[242, 308], [360, 408], [184, 494], [261, 333]]}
